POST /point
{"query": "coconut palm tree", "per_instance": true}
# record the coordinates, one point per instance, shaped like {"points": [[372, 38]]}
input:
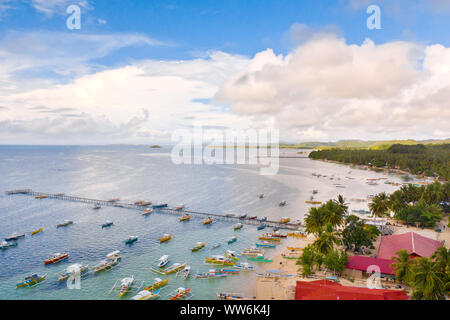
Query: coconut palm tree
{"points": [[402, 266], [314, 220], [333, 213], [442, 258], [326, 239], [342, 204], [379, 206], [427, 281]]}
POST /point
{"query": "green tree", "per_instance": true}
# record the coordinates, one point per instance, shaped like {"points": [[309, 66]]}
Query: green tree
{"points": [[335, 261], [402, 266], [379, 206], [427, 281], [357, 235], [314, 220], [326, 239]]}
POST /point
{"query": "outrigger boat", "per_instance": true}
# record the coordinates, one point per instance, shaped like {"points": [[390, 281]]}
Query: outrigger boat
{"points": [[215, 246], [208, 220], [6, 244], [73, 270], [285, 220], [231, 255], [180, 208], [275, 235], [56, 258], [97, 206], [143, 203], [252, 252], [211, 274], [160, 205], [261, 195], [313, 202], [175, 267], [269, 238], [125, 285], [163, 261], [147, 212], [15, 236], [238, 226], [131, 240], [228, 271], [262, 226], [40, 197], [260, 258], [266, 245], [186, 272], [229, 215], [243, 216], [111, 260], [65, 223], [146, 295], [37, 231], [263, 219], [232, 240], [219, 260], [198, 246], [230, 296], [107, 224], [283, 203], [165, 237], [185, 217], [244, 266], [157, 283], [296, 234], [253, 218], [31, 281], [180, 293]]}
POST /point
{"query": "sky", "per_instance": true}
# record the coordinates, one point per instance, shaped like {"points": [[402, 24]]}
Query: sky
{"points": [[137, 71]]}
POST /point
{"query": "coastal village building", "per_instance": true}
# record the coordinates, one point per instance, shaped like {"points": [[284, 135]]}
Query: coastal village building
{"points": [[415, 244], [361, 267], [330, 290]]}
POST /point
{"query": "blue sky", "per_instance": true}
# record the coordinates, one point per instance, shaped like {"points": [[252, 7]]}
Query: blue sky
{"points": [[41, 55]]}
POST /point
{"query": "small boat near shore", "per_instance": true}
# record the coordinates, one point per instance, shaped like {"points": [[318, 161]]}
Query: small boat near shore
{"points": [[160, 205], [253, 218], [208, 221], [175, 267], [361, 211], [146, 295], [242, 216], [283, 203], [147, 212], [231, 255], [263, 219], [41, 197], [37, 231], [165, 237], [73, 270], [211, 274], [198, 246], [15, 236], [107, 264], [125, 285], [245, 266], [260, 258], [180, 207], [31, 281], [185, 217], [250, 252], [275, 234], [285, 220], [97, 206], [131, 240], [238, 226], [296, 234], [163, 261], [313, 202], [181, 293], [215, 246], [56, 258], [186, 272], [107, 224], [261, 195], [230, 296], [232, 240], [269, 238], [266, 245], [221, 260], [65, 223], [262, 226], [5, 245], [157, 283]]}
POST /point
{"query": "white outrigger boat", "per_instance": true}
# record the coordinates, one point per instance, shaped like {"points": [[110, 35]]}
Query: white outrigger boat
{"points": [[186, 272], [245, 266], [230, 296], [146, 295], [163, 261], [252, 252], [111, 260], [180, 207], [125, 285], [74, 269]]}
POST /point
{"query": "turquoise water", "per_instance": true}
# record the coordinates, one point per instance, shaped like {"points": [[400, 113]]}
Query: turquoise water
{"points": [[134, 173]]}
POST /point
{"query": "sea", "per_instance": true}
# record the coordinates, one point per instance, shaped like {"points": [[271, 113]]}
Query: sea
{"points": [[134, 173]]}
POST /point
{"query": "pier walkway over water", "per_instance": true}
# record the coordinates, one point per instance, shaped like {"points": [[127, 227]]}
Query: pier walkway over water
{"points": [[168, 210]]}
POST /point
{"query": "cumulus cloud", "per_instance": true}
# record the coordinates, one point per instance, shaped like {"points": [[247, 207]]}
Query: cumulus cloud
{"points": [[50, 7], [328, 89]]}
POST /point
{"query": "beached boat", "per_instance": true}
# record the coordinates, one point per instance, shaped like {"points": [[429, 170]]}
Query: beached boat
{"points": [[263, 219], [231, 255], [65, 223], [180, 293], [313, 202], [15, 236], [269, 238], [221, 260], [242, 216], [157, 283], [146, 295], [180, 208], [107, 224], [285, 220], [275, 234], [261, 195], [131, 240], [245, 266], [165, 237], [160, 205], [37, 231], [31, 281], [266, 245], [253, 218], [56, 258], [175, 267], [147, 212], [185, 217], [228, 271], [125, 285], [6, 245], [75, 269], [163, 261], [230, 296], [198, 246], [262, 226], [260, 258], [252, 252], [186, 272], [97, 206], [208, 220], [232, 240], [283, 203], [40, 197], [211, 274], [238, 226], [296, 234]]}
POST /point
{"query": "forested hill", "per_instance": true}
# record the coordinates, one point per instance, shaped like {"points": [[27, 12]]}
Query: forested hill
{"points": [[431, 160]]}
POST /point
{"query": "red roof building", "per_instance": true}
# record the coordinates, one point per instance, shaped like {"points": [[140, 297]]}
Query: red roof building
{"points": [[329, 290], [363, 263], [415, 244]]}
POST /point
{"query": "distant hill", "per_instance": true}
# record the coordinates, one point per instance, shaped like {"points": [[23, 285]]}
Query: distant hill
{"points": [[360, 144]]}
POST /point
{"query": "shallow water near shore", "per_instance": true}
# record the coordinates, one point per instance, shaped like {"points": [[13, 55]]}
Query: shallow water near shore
{"points": [[134, 173]]}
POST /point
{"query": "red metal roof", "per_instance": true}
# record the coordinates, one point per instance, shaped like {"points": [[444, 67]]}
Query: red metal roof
{"points": [[329, 290], [413, 243], [362, 263]]}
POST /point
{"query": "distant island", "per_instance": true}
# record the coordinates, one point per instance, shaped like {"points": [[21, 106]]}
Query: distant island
{"points": [[155, 146], [432, 160]]}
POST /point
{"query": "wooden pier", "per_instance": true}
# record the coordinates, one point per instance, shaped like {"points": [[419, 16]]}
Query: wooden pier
{"points": [[222, 217]]}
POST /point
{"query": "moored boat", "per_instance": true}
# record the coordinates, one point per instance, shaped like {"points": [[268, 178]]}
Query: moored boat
{"points": [[215, 246], [238, 226], [131, 240], [296, 234], [56, 258], [231, 255], [146, 295], [107, 224], [180, 293], [262, 226], [253, 218], [125, 285], [175, 267], [269, 238], [263, 219], [65, 223], [260, 258], [6, 244], [157, 283], [160, 205], [185, 217], [165, 237], [37, 231], [186, 272], [245, 266], [283, 203], [230, 296], [147, 212], [261, 195], [251, 252], [180, 207], [30, 281], [198, 246], [313, 202], [111, 260], [232, 240], [163, 261], [242, 216], [75, 269], [211, 274], [15, 236], [275, 234], [266, 244], [285, 220], [208, 220], [97, 206], [40, 197], [221, 260]]}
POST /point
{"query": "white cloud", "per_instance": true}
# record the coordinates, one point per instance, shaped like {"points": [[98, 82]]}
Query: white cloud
{"points": [[50, 7], [328, 89]]}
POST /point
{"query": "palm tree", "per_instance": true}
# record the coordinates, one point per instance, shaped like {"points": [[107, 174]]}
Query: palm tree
{"points": [[379, 205], [402, 266], [342, 204], [326, 240], [314, 220], [333, 213], [442, 258], [427, 281]]}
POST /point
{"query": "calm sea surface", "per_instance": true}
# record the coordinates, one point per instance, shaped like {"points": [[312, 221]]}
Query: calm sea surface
{"points": [[134, 173]]}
